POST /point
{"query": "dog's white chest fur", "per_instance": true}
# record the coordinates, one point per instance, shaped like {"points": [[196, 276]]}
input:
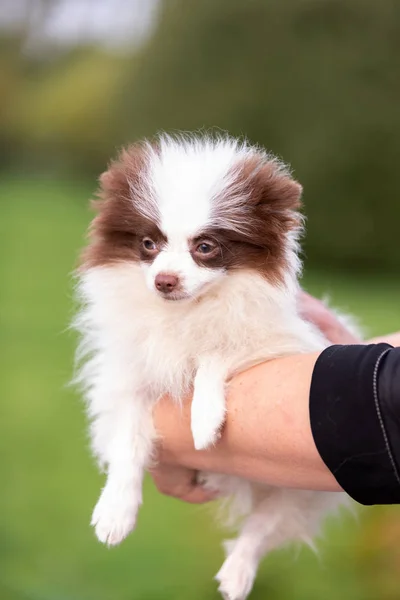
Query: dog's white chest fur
{"points": [[162, 344]]}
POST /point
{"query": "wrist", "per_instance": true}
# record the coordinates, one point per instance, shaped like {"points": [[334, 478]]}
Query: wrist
{"points": [[267, 435]]}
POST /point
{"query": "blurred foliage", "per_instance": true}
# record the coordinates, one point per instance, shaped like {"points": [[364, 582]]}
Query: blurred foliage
{"points": [[315, 81], [62, 115]]}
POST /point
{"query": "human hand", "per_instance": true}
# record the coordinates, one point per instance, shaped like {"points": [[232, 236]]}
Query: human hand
{"points": [[171, 474], [179, 482], [264, 438]]}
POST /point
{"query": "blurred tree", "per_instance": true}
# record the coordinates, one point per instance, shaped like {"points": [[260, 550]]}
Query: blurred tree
{"points": [[315, 81], [67, 112]]}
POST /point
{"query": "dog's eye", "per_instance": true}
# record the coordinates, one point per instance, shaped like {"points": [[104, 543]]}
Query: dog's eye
{"points": [[205, 248], [149, 245]]}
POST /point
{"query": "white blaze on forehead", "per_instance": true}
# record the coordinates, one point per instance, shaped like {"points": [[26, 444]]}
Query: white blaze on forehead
{"points": [[185, 177]]}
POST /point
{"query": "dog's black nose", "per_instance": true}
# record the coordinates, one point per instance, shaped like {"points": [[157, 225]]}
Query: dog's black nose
{"points": [[166, 282]]}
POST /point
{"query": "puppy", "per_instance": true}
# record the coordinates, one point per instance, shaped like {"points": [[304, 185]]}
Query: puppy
{"points": [[190, 276]]}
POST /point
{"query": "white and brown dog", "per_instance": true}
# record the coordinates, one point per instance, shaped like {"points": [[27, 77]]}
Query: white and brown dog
{"points": [[190, 276]]}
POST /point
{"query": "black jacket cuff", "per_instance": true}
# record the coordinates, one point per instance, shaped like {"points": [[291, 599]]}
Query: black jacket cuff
{"points": [[355, 419]]}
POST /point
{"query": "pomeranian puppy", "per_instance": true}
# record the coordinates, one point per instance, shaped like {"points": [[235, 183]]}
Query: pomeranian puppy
{"points": [[189, 277]]}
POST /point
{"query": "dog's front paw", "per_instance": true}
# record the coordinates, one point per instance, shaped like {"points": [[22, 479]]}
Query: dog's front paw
{"points": [[236, 578], [207, 421], [114, 516]]}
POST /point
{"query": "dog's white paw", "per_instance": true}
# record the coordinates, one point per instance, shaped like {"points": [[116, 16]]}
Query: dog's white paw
{"points": [[236, 578], [114, 516], [207, 421], [206, 429], [204, 439]]}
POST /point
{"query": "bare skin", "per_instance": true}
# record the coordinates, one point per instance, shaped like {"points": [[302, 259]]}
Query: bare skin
{"points": [[267, 435]]}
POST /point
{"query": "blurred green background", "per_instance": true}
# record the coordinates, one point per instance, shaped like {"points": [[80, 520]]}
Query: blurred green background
{"points": [[315, 81]]}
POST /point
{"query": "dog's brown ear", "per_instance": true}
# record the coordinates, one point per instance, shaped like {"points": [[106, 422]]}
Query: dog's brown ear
{"points": [[118, 218], [118, 182], [273, 186], [273, 195], [106, 179], [122, 173], [268, 183]]}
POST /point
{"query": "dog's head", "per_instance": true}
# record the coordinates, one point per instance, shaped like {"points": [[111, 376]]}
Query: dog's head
{"points": [[190, 211]]}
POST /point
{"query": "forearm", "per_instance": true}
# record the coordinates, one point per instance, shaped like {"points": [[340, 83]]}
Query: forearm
{"points": [[267, 435]]}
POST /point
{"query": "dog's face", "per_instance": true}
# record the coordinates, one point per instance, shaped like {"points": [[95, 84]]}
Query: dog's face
{"points": [[189, 212], [180, 266]]}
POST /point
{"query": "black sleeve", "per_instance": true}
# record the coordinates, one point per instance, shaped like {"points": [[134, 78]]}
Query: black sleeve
{"points": [[355, 419]]}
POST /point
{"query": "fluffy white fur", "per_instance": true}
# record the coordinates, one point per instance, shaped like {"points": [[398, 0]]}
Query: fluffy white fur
{"points": [[137, 346]]}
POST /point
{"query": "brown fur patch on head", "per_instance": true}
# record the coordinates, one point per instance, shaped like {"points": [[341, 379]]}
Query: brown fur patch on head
{"points": [[126, 212], [253, 217], [249, 224]]}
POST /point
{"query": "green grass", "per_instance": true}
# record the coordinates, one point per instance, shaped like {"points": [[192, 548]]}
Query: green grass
{"points": [[48, 480]]}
